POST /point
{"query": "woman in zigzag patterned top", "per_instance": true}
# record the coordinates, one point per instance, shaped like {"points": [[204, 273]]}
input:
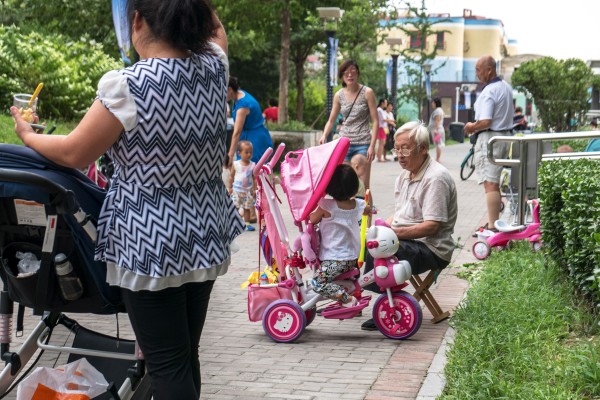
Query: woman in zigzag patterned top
{"points": [[167, 222]]}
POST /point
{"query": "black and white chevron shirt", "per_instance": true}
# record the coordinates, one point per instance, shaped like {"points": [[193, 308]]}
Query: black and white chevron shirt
{"points": [[167, 218]]}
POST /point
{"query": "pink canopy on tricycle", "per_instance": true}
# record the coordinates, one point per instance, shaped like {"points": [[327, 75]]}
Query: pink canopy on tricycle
{"points": [[305, 175]]}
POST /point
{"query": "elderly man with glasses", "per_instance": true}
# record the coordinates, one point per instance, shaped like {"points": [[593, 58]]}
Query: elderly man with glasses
{"points": [[425, 205]]}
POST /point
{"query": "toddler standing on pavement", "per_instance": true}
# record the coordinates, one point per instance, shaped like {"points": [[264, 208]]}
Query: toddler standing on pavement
{"points": [[339, 224], [242, 184]]}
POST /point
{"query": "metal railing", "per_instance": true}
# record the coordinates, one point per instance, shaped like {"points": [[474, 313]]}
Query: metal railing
{"points": [[523, 163]]}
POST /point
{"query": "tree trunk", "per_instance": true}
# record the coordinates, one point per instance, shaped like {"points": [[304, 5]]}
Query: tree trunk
{"points": [[299, 64], [284, 57]]}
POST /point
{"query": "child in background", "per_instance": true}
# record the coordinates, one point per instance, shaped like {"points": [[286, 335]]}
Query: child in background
{"points": [[339, 222], [242, 184], [271, 113]]}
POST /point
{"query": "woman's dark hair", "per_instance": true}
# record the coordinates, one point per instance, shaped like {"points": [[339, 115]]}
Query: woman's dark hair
{"points": [[233, 83], [185, 24], [438, 102], [342, 69], [381, 101], [272, 102], [343, 184]]}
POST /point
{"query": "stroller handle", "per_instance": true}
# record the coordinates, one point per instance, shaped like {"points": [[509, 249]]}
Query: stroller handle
{"points": [[262, 161], [266, 155], [64, 200]]}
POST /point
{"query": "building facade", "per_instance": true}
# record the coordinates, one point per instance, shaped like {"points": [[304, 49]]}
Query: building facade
{"points": [[460, 42]]}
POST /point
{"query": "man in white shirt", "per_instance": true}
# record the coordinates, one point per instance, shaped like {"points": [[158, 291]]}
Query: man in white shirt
{"points": [[494, 117]]}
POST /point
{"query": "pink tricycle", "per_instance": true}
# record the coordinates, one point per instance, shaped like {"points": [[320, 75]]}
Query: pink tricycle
{"points": [[507, 233], [286, 307]]}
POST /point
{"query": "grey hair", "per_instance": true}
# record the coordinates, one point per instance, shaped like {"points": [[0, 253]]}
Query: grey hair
{"points": [[417, 131]]}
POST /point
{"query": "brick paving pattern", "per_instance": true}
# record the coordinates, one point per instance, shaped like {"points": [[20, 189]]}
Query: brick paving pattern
{"points": [[332, 359]]}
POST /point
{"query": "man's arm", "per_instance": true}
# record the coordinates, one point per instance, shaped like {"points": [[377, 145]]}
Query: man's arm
{"points": [[477, 126], [424, 229]]}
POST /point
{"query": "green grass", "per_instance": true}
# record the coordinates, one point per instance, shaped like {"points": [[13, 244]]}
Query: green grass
{"points": [[521, 334], [7, 128]]}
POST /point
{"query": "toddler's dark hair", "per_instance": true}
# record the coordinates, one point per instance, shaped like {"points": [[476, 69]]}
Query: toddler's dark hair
{"points": [[343, 184]]}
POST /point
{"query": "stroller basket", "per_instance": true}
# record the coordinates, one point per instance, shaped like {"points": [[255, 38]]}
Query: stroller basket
{"points": [[32, 191]]}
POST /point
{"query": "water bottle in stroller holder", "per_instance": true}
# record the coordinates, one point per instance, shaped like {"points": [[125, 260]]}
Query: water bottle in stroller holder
{"points": [[68, 281]]}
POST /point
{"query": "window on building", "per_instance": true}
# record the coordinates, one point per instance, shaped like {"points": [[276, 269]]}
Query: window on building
{"points": [[415, 40], [439, 44]]}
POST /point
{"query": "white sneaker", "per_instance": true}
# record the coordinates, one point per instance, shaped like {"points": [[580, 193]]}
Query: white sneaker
{"points": [[351, 303]]}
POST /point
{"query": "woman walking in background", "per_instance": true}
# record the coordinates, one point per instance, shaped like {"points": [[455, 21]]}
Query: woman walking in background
{"points": [[436, 128], [383, 129], [357, 104], [249, 123]]}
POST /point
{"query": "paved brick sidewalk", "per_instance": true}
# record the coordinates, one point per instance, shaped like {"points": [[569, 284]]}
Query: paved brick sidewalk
{"points": [[332, 359]]}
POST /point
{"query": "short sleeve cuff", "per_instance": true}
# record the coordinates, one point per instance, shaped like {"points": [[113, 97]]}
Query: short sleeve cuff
{"points": [[218, 51], [113, 92]]}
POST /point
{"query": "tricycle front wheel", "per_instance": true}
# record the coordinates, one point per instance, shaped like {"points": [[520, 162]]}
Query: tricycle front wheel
{"points": [[399, 320]]}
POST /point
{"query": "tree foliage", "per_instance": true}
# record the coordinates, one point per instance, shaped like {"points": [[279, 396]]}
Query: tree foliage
{"points": [[91, 19], [254, 30], [560, 90], [70, 70]]}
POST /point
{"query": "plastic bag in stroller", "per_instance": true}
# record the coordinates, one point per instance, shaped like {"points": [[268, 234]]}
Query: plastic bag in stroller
{"points": [[46, 210]]}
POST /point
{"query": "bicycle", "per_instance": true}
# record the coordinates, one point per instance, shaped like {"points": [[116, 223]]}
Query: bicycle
{"points": [[467, 167]]}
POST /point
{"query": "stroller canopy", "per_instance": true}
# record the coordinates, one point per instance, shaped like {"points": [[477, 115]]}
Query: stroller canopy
{"points": [[305, 175]]}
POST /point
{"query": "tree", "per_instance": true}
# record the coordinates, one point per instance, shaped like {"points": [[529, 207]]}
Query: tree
{"points": [[419, 27], [357, 35], [284, 57], [73, 18], [560, 90], [251, 28]]}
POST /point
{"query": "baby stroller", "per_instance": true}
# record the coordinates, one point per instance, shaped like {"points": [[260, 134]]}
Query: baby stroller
{"points": [[287, 305], [47, 209]]}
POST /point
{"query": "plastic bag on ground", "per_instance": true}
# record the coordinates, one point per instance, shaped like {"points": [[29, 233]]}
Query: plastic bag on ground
{"points": [[78, 380]]}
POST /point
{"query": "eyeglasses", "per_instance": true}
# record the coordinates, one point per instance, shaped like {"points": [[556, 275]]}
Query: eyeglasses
{"points": [[402, 152], [350, 72]]}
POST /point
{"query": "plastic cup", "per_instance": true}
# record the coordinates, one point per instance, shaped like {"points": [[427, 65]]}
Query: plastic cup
{"points": [[21, 101]]}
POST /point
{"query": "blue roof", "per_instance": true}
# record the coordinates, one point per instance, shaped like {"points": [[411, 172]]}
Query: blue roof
{"points": [[454, 20]]}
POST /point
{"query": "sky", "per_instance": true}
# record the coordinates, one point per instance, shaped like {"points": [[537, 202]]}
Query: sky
{"points": [[560, 29]]}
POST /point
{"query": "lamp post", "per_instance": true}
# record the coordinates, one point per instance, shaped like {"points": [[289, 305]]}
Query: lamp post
{"points": [[330, 17], [393, 42], [427, 70]]}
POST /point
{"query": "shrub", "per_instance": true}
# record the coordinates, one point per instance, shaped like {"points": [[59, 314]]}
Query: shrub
{"points": [[70, 70], [290, 126], [570, 216]]}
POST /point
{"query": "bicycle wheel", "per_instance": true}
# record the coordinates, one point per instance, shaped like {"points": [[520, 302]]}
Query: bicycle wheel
{"points": [[468, 167]]}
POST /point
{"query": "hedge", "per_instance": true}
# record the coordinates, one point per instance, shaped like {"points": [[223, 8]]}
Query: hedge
{"points": [[570, 217]]}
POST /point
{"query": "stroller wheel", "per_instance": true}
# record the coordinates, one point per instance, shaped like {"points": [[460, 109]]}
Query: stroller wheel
{"points": [[402, 319], [284, 321], [311, 313], [481, 250]]}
